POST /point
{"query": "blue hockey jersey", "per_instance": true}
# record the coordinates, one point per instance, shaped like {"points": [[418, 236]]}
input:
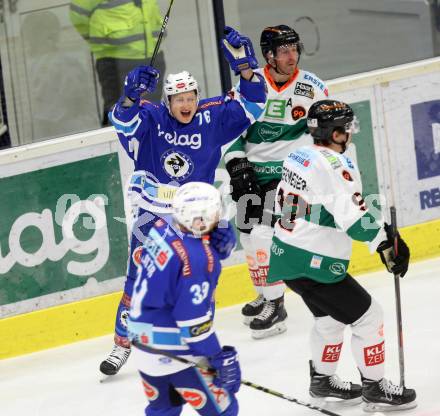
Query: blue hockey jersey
{"points": [[172, 306], [174, 153]]}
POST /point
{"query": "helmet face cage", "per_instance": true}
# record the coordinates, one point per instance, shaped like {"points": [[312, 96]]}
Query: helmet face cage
{"points": [[177, 83], [197, 206], [325, 116], [274, 36]]}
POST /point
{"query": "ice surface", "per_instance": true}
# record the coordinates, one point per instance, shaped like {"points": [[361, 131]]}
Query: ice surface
{"points": [[65, 381]]}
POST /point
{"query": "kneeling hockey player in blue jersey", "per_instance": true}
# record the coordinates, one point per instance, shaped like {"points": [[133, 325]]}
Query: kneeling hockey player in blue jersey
{"points": [[175, 142], [172, 310]]}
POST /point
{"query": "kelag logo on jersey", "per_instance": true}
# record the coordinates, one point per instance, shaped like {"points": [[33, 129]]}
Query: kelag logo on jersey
{"points": [[158, 249], [194, 141], [426, 128]]}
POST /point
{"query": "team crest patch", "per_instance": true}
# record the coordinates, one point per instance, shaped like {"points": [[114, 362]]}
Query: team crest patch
{"points": [[177, 165]]}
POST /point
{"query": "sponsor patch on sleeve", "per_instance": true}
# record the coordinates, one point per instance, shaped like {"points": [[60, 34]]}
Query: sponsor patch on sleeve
{"points": [[158, 249]]}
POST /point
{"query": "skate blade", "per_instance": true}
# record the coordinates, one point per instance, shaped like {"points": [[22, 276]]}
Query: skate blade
{"points": [[334, 402], [103, 378], [277, 329], [370, 407], [247, 320]]}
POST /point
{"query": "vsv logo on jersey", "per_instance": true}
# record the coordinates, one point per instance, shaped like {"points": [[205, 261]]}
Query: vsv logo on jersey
{"points": [[177, 165], [194, 141]]}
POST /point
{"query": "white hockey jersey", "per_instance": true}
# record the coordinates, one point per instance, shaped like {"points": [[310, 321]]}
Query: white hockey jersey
{"points": [[322, 211], [283, 126]]}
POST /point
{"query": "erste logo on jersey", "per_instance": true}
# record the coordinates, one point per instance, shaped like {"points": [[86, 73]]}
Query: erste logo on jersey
{"points": [[158, 249], [194, 141], [317, 82], [177, 165]]}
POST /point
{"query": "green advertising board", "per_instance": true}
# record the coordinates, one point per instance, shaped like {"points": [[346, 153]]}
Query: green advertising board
{"points": [[364, 142], [58, 228]]}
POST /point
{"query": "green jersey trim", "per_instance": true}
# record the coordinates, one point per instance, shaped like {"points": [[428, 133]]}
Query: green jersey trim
{"points": [[364, 229], [288, 262]]}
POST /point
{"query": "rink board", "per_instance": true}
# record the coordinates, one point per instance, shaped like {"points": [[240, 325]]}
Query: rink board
{"points": [[94, 317], [49, 297]]}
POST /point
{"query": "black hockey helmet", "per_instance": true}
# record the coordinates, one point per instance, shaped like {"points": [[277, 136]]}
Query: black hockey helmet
{"points": [[274, 36], [325, 116]]}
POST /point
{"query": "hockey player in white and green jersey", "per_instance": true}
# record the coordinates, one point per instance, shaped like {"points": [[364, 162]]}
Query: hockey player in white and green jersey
{"points": [[321, 209], [254, 163]]}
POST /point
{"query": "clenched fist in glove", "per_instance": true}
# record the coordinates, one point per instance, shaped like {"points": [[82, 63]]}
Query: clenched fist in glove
{"points": [[228, 373], [141, 79], [243, 178], [223, 240], [238, 51], [396, 263]]}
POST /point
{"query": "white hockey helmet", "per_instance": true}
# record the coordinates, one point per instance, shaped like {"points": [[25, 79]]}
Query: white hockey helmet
{"points": [[197, 206], [177, 83]]}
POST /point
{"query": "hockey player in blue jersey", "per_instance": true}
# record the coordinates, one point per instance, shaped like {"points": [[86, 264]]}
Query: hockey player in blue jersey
{"points": [[174, 142], [172, 310]]}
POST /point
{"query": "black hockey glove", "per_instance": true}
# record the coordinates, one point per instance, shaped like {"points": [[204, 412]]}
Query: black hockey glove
{"points": [[394, 264], [243, 178]]}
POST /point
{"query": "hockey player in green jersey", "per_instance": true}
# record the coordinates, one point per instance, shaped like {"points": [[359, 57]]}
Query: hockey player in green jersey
{"points": [[321, 209], [254, 163]]}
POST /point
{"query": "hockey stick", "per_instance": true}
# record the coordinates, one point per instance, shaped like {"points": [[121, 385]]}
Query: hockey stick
{"points": [[162, 31], [398, 302], [245, 382]]}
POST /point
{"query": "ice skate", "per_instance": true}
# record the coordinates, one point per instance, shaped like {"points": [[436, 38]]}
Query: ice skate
{"points": [[331, 389], [113, 363], [252, 309], [384, 396], [270, 321]]}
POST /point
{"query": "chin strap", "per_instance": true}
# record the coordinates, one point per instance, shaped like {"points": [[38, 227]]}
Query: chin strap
{"points": [[343, 145]]}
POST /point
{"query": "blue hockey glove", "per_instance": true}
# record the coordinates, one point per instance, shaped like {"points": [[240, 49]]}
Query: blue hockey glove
{"points": [[139, 80], [228, 373], [223, 240], [238, 51], [397, 264]]}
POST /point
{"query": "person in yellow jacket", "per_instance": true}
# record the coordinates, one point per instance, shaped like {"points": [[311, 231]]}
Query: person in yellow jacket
{"points": [[122, 35]]}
